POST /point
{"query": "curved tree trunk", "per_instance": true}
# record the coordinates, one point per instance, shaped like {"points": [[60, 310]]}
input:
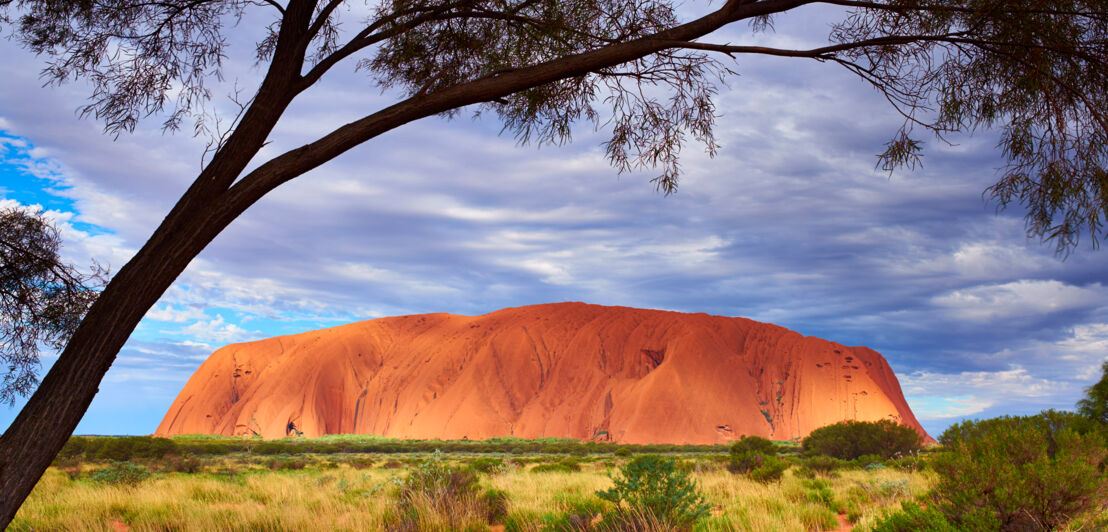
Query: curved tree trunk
{"points": [[50, 416]]}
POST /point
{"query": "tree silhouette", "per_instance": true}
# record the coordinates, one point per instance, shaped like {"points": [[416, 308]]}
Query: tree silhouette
{"points": [[1034, 69], [42, 299], [1095, 403]]}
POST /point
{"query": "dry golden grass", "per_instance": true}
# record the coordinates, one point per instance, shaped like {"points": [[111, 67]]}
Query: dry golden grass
{"points": [[344, 498]]}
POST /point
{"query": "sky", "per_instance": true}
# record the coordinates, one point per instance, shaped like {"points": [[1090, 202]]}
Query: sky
{"points": [[789, 224]]}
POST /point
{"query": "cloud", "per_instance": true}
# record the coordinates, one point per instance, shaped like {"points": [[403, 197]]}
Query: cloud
{"points": [[1022, 298], [790, 223], [169, 313], [216, 330], [942, 398]]}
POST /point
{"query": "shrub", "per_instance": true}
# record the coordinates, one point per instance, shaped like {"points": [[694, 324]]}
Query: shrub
{"points": [[754, 444], [913, 518], [442, 483], [487, 465], [822, 465], [869, 462], [436, 496], [360, 462], [562, 466], [819, 492], [909, 463], [1019, 473], [184, 464], [745, 462], [121, 473], [575, 513], [496, 505], [273, 447], [770, 470], [652, 485], [623, 452], [849, 440]]}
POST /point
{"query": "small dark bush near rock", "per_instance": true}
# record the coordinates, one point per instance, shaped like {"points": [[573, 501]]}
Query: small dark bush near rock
{"points": [[623, 452], [1020, 473], [124, 473], [849, 440], [654, 486], [755, 444]]}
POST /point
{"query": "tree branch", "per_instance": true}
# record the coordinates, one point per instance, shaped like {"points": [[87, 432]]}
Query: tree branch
{"points": [[300, 160]]}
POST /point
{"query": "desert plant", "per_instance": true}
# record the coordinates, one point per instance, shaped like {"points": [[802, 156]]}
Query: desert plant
{"points": [[771, 470], [495, 503], [652, 485], [487, 465], [822, 465], [124, 473], [184, 464], [576, 513], [913, 518], [849, 440], [437, 496], [1019, 473], [755, 444]]}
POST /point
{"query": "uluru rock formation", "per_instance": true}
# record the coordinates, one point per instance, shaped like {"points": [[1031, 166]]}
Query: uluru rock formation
{"points": [[557, 370]]}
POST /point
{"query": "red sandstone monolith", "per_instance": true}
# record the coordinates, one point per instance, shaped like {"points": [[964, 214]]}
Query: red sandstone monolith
{"points": [[558, 370]]}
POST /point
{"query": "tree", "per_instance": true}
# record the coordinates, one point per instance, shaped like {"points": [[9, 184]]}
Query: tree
{"points": [[1035, 69], [42, 299], [1095, 403], [849, 440], [1019, 473]]}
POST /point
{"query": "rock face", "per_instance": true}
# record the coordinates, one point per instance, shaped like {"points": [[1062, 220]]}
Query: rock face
{"points": [[558, 370]]}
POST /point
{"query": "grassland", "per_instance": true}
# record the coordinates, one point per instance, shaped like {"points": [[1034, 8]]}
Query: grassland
{"points": [[292, 485]]}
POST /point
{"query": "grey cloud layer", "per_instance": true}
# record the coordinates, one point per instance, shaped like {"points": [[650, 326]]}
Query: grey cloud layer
{"points": [[790, 224]]}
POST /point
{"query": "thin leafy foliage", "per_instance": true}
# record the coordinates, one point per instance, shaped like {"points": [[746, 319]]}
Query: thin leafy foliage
{"points": [[42, 299]]}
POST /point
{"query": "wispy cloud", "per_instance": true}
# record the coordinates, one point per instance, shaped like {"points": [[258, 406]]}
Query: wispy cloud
{"points": [[789, 224]]}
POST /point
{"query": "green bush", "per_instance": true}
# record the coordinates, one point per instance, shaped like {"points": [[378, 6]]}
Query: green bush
{"points": [[745, 462], [770, 470], [437, 496], [575, 513], [819, 492], [496, 505], [568, 465], [556, 468], [487, 465], [438, 481], [118, 473], [184, 464], [754, 444], [1019, 473], [623, 452], [273, 447], [849, 440], [913, 518], [653, 485], [822, 465]]}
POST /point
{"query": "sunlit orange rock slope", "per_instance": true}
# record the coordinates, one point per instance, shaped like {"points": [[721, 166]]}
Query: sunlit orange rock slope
{"points": [[558, 370]]}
